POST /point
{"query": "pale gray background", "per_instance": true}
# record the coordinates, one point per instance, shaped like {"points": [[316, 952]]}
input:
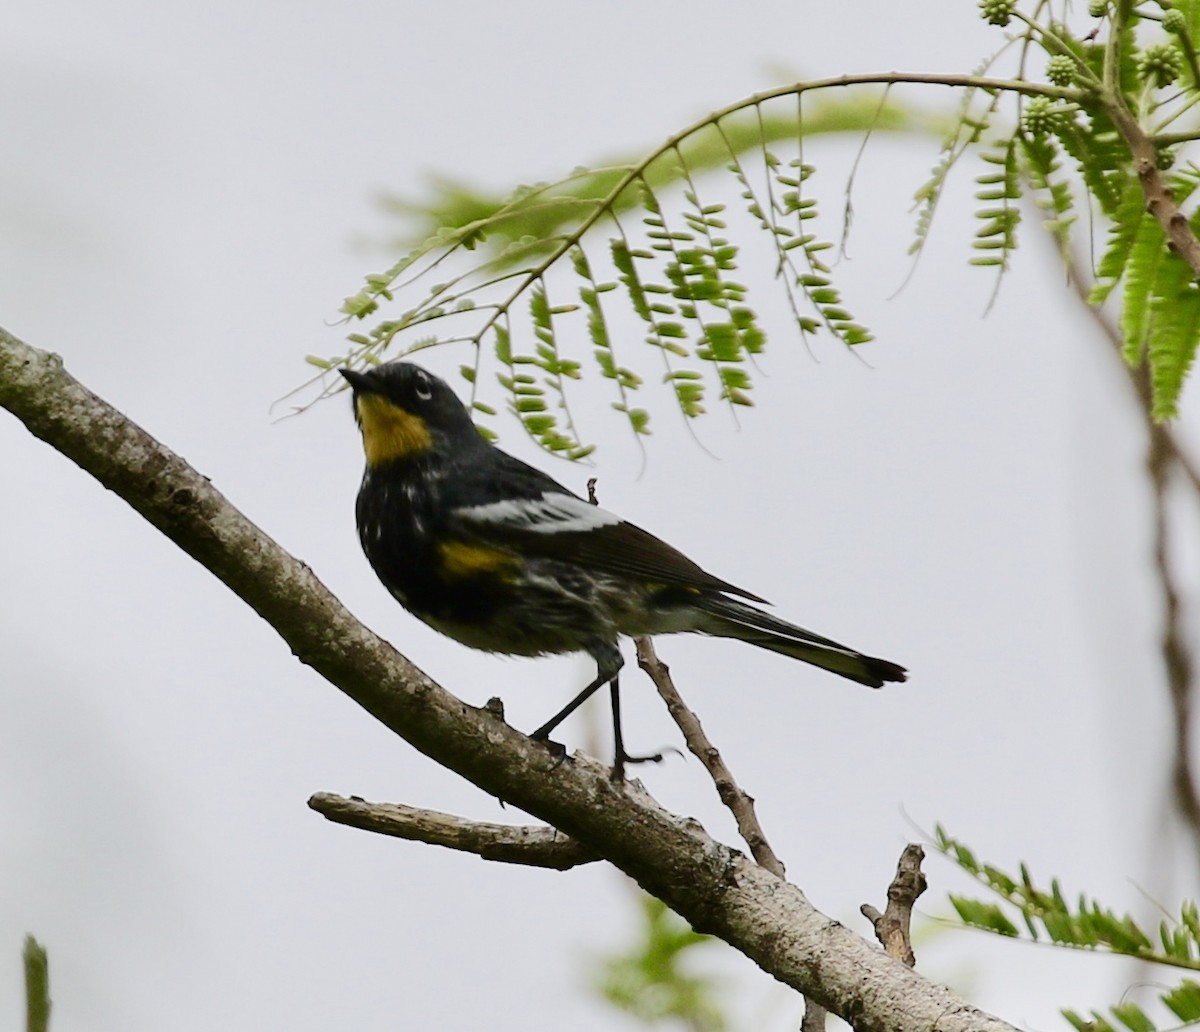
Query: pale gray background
{"points": [[179, 194]]}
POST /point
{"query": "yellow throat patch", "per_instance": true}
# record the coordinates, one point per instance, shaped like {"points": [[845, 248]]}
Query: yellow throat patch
{"points": [[388, 432]]}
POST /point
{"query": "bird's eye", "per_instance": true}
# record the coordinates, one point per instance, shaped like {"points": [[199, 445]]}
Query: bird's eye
{"points": [[423, 388]]}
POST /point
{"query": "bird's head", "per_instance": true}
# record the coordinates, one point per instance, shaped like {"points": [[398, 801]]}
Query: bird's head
{"points": [[403, 411]]}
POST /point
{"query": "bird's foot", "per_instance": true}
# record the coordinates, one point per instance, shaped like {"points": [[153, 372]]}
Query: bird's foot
{"points": [[557, 750], [622, 758]]}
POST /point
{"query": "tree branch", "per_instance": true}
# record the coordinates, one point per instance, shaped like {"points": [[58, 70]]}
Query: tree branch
{"points": [[739, 803], [1176, 652], [532, 845], [715, 888], [1160, 202], [893, 928]]}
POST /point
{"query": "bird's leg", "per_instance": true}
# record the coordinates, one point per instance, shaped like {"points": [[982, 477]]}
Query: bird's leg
{"points": [[608, 664], [620, 756], [543, 732]]}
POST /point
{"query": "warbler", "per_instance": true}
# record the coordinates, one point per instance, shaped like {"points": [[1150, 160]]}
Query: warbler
{"points": [[501, 557]]}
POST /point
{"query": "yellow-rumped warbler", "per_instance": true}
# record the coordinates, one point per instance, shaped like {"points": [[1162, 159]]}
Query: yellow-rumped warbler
{"points": [[499, 556]]}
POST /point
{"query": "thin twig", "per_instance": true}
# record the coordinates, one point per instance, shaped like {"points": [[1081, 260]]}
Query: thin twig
{"points": [[739, 803], [531, 845], [814, 1016], [1176, 653], [893, 928]]}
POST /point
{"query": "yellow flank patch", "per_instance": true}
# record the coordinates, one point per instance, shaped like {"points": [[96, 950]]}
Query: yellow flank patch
{"points": [[460, 559], [388, 432]]}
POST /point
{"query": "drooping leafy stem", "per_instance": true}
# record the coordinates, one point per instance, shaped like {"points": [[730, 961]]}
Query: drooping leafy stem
{"points": [[784, 270], [1000, 188], [1052, 191], [966, 132], [689, 391], [676, 265], [626, 379], [700, 278]]}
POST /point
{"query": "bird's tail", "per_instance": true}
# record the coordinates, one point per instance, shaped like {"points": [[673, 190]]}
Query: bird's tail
{"points": [[725, 618]]}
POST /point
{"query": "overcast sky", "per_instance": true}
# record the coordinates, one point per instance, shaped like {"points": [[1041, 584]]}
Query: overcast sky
{"points": [[180, 196]]}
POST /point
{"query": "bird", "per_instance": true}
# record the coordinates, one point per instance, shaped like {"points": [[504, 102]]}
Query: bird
{"points": [[500, 556]]}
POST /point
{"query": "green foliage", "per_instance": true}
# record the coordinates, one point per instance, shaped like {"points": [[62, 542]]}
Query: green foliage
{"points": [[1048, 916], [649, 982], [1079, 120], [1172, 333], [37, 986], [968, 130], [1052, 191], [636, 238], [1160, 318], [1125, 229], [656, 240], [999, 189]]}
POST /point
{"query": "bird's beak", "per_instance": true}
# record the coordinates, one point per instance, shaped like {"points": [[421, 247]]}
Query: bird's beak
{"points": [[364, 382]]}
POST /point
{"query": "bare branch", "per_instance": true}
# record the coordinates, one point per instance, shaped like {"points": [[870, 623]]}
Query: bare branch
{"points": [[739, 803], [893, 928], [532, 845], [814, 1017], [716, 889], [1176, 652]]}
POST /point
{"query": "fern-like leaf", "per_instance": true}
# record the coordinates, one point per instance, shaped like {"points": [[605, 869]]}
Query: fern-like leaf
{"points": [[967, 131], [1000, 190], [1123, 234], [1053, 193], [1173, 333]]}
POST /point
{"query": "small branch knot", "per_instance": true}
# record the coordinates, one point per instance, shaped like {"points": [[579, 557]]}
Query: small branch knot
{"points": [[892, 927]]}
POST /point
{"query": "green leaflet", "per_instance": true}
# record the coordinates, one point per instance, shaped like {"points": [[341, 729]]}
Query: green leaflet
{"points": [[626, 379], [1160, 314], [1174, 330], [1053, 193], [968, 129], [999, 190], [1123, 232], [653, 981], [1084, 924]]}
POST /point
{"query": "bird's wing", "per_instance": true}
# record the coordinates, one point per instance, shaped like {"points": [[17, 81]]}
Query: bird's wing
{"points": [[535, 516]]}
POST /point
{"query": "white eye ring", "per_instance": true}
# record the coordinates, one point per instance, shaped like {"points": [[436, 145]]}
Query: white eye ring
{"points": [[423, 389]]}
